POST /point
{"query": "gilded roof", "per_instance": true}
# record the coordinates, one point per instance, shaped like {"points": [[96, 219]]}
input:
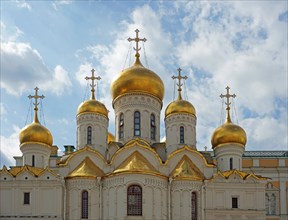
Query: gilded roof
{"points": [[86, 169], [243, 175], [186, 169], [135, 163], [137, 78], [17, 170]]}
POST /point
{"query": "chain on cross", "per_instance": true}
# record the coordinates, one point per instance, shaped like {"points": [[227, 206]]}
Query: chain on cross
{"points": [[93, 78], [227, 96], [137, 39], [36, 97], [179, 84]]}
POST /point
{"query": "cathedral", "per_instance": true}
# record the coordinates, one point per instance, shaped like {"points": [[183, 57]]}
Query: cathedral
{"points": [[132, 175]]}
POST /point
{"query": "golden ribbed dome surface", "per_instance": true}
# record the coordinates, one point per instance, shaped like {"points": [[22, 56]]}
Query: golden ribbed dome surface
{"points": [[180, 106], [228, 133], [35, 132], [92, 106], [137, 78]]}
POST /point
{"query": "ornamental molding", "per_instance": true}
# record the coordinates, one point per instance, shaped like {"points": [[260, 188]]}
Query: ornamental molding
{"points": [[113, 182], [82, 184], [184, 118], [95, 117], [155, 183], [186, 185], [136, 100]]}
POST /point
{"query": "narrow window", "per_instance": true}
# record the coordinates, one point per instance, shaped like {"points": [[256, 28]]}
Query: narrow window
{"points": [[231, 163], [194, 206], [134, 200], [153, 127], [273, 204], [121, 126], [84, 213], [234, 202], [137, 124], [267, 204], [181, 135], [89, 135], [26, 198], [33, 160]]}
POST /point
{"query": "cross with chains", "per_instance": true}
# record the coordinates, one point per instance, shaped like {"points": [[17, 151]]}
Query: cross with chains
{"points": [[179, 77], [36, 97], [93, 78], [227, 96], [137, 39]]}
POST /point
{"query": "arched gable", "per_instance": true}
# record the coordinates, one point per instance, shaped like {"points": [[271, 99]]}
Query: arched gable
{"points": [[130, 147], [197, 158], [77, 157]]}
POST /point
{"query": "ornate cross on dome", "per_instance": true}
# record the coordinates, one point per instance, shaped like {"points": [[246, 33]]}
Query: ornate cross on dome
{"points": [[227, 96], [36, 97], [93, 78], [179, 84], [137, 39]]}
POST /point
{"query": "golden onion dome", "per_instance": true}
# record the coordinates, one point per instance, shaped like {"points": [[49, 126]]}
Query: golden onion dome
{"points": [[137, 78], [110, 138], [35, 132], [228, 133], [180, 106], [92, 106]]}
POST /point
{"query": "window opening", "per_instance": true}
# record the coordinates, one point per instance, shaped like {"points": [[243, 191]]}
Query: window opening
{"points": [[89, 135], [26, 198], [121, 126], [33, 160], [194, 206], [234, 202], [231, 163], [153, 127], [84, 214], [137, 124], [181, 135], [134, 200]]}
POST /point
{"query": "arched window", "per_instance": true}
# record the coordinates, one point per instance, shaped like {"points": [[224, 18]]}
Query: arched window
{"points": [[231, 163], [33, 160], [181, 135], [194, 206], [84, 211], [137, 124], [153, 127], [121, 126], [134, 200], [89, 135]]}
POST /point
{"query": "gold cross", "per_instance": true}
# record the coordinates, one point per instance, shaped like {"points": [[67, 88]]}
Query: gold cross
{"points": [[227, 96], [179, 84], [93, 78], [36, 97], [137, 39]]}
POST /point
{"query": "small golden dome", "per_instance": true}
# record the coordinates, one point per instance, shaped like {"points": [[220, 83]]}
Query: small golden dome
{"points": [[137, 78], [110, 138], [92, 106], [180, 106], [228, 133], [35, 132]]}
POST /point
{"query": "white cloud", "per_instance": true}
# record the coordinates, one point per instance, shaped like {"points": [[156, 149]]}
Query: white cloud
{"points": [[23, 68], [23, 4], [57, 3], [10, 146]]}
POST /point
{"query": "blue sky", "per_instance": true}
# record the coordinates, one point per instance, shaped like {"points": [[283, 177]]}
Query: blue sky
{"points": [[54, 45]]}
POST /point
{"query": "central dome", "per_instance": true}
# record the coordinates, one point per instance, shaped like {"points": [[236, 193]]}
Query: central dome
{"points": [[137, 78]]}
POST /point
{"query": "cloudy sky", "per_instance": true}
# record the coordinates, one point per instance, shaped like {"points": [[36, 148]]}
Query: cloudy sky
{"points": [[54, 45]]}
